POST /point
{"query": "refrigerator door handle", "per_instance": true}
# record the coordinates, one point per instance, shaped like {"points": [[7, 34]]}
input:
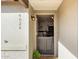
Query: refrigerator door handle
{"points": [[6, 41], [20, 21]]}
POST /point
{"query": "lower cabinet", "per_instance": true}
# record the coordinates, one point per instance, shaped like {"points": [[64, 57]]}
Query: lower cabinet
{"points": [[14, 55]]}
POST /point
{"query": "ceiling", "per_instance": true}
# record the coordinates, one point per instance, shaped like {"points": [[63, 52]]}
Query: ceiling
{"points": [[45, 4]]}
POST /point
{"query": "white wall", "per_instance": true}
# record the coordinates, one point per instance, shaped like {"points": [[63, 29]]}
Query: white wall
{"points": [[67, 19]]}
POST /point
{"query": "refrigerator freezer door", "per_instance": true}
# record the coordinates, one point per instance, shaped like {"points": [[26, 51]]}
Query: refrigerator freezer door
{"points": [[14, 31], [2, 55], [14, 55]]}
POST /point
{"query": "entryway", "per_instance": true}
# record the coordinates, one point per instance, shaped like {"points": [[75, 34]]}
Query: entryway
{"points": [[45, 34]]}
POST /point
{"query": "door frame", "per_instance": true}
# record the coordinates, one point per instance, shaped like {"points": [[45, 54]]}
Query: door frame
{"points": [[55, 32]]}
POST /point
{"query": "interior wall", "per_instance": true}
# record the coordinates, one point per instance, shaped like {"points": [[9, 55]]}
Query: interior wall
{"points": [[67, 19], [31, 33]]}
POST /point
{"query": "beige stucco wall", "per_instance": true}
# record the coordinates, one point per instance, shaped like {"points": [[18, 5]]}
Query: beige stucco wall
{"points": [[67, 16], [31, 33]]}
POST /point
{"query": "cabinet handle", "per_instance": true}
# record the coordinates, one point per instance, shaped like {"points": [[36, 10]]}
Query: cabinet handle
{"points": [[20, 21], [5, 41]]}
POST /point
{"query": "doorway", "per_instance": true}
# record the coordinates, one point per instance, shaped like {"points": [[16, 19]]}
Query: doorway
{"points": [[45, 34]]}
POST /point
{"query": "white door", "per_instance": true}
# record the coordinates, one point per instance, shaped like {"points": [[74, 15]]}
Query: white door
{"points": [[14, 31]]}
